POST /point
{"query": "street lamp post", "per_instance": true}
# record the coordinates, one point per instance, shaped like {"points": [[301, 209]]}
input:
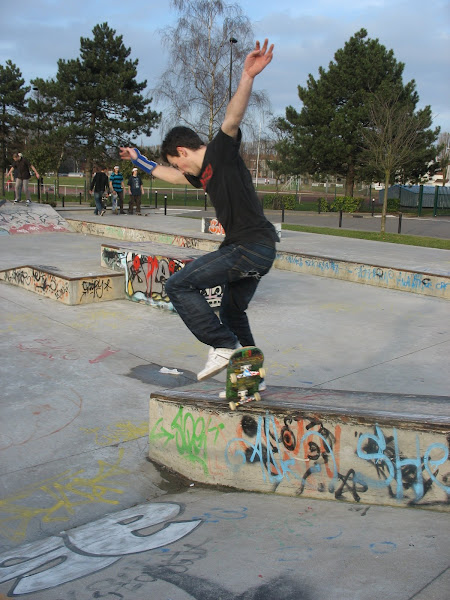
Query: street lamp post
{"points": [[38, 94], [232, 41]]}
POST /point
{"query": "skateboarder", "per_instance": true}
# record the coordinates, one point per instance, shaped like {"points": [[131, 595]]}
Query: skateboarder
{"points": [[248, 250]]}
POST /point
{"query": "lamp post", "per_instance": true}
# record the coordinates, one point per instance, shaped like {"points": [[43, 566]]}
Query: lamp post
{"points": [[38, 95], [232, 41]]}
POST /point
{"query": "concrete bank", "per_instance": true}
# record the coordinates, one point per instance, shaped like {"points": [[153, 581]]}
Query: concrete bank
{"points": [[422, 271]]}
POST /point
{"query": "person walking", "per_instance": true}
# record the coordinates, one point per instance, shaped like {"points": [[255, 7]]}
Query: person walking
{"points": [[116, 185], [136, 190], [99, 185], [248, 250], [21, 170]]}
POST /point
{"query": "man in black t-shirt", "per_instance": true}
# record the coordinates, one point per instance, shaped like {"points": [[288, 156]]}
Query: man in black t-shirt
{"points": [[99, 185], [21, 169], [248, 250]]}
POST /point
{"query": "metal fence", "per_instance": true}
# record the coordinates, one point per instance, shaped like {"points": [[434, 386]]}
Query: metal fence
{"points": [[415, 196]]}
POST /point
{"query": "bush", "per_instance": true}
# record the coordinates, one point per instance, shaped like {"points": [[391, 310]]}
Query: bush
{"points": [[393, 205], [346, 204], [323, 204], [276, 201]]}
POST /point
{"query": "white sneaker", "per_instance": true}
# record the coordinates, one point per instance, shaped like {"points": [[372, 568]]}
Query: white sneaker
{"points": [[217, 361], [261, 388], [28, 201]]}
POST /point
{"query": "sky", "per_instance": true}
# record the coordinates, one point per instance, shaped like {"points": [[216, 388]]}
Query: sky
{"points": [[306, 34]]}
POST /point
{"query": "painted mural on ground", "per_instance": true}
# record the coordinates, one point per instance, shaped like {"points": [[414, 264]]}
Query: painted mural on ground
{"points": [[84, 550], [301, 456], [31, 218]]}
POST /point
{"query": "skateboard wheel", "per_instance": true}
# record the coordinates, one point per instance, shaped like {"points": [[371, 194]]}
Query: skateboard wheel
{"points": [[233, 378], [257, 396], [232, 405], [262, 373]]}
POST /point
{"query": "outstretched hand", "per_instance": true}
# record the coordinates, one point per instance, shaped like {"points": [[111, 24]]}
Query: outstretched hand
{"points": [[128, 154], [258, 59]]}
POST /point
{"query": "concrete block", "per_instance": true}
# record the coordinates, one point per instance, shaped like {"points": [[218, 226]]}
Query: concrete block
{"points": [[147, 266], [212, 225], [83, 289], [419, 282], [309, 442]]}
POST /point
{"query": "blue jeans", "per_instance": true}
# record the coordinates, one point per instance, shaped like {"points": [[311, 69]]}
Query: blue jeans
{"points": [[98, 203], [237, 267]]}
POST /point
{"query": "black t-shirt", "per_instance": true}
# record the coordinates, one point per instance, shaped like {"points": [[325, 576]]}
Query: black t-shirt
{"points": [[22, 169], [100, 182], [135, 183], [228, 182]]}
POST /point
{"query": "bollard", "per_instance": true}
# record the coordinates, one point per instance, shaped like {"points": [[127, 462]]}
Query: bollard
{"points": [[436, 200], [400, 215], [373, 206], [80, 197], [340, 218], [420, 202], [318, 206], [282, 212], [63, 201], [46, 196], [206, 200], [165, 204], [156, 199]]}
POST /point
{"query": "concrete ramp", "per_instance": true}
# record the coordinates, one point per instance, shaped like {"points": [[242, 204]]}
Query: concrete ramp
{"points": [[16, 218], [384, 449]]}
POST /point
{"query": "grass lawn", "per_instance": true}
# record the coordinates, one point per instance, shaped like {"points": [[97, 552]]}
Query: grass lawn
{"points": [[392, 238]]}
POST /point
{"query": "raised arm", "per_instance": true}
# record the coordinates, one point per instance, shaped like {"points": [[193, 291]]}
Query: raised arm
{"points": [[255, 62], [168, 174]]}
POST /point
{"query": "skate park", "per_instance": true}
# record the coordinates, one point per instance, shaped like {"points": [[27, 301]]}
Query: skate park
{"points": [[345, 458]]}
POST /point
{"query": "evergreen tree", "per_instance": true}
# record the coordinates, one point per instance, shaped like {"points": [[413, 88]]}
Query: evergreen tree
{"points": [[100, 97], [326, 135], [13, 112]]}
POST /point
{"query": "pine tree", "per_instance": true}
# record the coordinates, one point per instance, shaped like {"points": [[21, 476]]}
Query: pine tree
{"points": [[13, 111], [326, 135], [102, 100]]}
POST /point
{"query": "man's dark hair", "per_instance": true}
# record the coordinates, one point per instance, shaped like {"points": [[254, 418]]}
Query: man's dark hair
{"points": [[179, 136]]}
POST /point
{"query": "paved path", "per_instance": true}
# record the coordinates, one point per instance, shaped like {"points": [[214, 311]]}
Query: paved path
{"points": [[73, 433]]}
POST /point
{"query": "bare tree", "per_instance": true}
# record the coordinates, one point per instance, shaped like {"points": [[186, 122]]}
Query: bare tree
{"points": [[207, 48], [394, 134]]}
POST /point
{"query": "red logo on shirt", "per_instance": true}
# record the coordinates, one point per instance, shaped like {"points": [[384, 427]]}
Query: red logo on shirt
{"points": [[206, 176]]}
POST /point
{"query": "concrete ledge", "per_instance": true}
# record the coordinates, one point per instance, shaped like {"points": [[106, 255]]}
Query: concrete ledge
{"points": [[347, 446], [147, 266], [427, 284], [418, 282], [52, 283]]}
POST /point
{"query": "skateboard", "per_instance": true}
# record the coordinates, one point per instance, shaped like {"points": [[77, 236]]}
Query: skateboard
{"points": [[244, 373]]}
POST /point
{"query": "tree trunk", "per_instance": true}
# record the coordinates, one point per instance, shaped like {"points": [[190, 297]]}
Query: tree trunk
{"points": [[350, 181], [385, 199]]}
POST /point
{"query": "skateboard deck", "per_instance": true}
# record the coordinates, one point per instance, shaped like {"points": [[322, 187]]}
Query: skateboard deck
{"points": [[244, 373]]}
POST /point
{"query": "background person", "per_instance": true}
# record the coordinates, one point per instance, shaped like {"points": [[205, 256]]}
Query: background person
{"points": [[136, 191], [99, 185], [116, 185], [21, 169]]}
